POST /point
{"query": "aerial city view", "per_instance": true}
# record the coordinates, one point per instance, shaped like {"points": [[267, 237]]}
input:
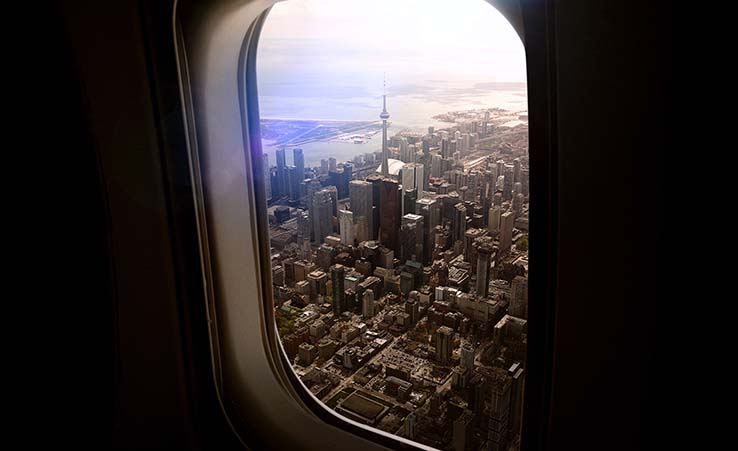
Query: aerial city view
{"points": [[399, 249]]}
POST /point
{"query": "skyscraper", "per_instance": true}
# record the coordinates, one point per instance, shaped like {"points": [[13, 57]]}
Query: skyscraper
{"points": [[507, 220], [367, 304], [467, 356], [346, 227], [459, 222], [322, 222], [298, 161], [282, 188], [389, 218], [444, 337], [519, 297], [360, 198], [484, 254], [499, 411], [337, 280], [384, 115]]}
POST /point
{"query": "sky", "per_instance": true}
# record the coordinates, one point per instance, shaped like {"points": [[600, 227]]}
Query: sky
{"points": [[333, 59], [401, 38]]}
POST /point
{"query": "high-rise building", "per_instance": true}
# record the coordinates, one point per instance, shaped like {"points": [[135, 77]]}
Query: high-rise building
{"points": [[337, 280], [367, 304], [499, 409], [282, 187], [517, 376], [516, 170], [444, 345], [411, 421], [346, 227], [519, 297], [467, 356], [412, 176], [298, 161], [484, 254], [507, 220], [389, 218], [293, 184], [418, 222], [507, 182], [493, 223], [409, 197], [360, 198], [459, 222], [323, 215], [430, 210]]}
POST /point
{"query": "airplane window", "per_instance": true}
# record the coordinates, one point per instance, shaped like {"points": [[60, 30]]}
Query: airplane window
{"points": [[395, 151]]}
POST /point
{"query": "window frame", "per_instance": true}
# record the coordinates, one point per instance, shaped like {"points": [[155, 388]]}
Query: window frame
{"points": [[212, 107]]}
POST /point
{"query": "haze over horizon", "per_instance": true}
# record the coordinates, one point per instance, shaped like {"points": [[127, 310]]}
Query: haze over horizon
{"points": [[327, 59]]}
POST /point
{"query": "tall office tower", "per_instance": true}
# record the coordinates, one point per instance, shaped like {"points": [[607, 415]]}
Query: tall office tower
{"points": [[516, 170], [312, 187], [517, 204], [467, 355], [508, 182], [459, 222], [367, 304], [360, 198], [500, 164], [430, 210], [485, 123], [499, 412], [333, 191], [323, 216], [411, 422], [465, 139], [484, 254], [384, 115], [346, 226], [293, 184], [493, 223], [517, 376], [519, 297], [298, 161], [408, 200], [282, 187], [303, 232], [436, 165], [348, 174], [408, 241], [404, 150], [376, 181], [507, 220], [389, 219], [470, 253], [413, 153], [444, 344], [463, 430], [267, 176], [323, 166], [412, 176], [445, 148], [331, 164], [339, 295]]}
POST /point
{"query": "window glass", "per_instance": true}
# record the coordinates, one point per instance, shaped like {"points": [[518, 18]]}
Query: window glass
{"points": [[395, 143]]}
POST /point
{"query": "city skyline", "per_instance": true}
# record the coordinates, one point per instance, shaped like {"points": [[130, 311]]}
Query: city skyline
{"points": [[398, 210]]}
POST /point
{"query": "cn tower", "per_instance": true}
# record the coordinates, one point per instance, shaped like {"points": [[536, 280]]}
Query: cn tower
{"points": [[384, 115]]}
